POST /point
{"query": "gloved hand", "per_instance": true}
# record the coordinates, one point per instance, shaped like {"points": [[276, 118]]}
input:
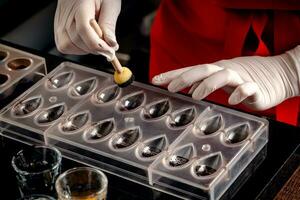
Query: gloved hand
{"points": [[258, 82], [73, 33]]}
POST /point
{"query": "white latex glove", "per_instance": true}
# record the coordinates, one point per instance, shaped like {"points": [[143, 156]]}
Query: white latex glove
{"points": [[73, 33], [258, 82]]}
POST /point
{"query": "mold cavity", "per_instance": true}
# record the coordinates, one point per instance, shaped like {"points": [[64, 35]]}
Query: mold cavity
{"points": [[157, 110], [27, 106], [183, 117], [50, 114], [237, 134], [100, 130], [18, 64], [153, 147], [3, 55], [132, 102], [3, 78], [108, 94], [75, 122], [60, 80], [208, 166], [210, 125], [126, 138], [84, 87], [181, 156]]}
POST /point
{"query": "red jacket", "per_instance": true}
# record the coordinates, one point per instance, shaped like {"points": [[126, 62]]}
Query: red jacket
{"points": [[189, 32]]}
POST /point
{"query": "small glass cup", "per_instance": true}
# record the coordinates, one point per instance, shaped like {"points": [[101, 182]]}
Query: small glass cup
{"points": [[82, 183], [37, 169]]}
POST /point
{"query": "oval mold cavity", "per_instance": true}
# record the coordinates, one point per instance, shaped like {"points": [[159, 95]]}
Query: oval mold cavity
{"points": [[157, 110], [3, 55], [210, 125], [75, 122], [84, 87], [27, 106], [237, 134], [181, 156], [132, 102], [183, 117], [153, 147], [108, 94], [100, 130], [50, 114], [19, 64], [3, 78], [60, 80], [126, 138], [208, 166]]}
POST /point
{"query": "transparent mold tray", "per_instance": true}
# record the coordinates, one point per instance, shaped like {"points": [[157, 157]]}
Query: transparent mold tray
{"points": [[18, 67], [191, 149]]}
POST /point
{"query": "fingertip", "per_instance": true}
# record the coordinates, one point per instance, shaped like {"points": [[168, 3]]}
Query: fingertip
{"points": [[196, 96], [158, 79], [171, 89], [175, 86], [233, 100], [116, 47], [112, 43], [200, 93]]}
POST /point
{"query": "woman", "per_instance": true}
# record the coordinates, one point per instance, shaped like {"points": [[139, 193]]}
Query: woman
{"points": [[186, 35]]}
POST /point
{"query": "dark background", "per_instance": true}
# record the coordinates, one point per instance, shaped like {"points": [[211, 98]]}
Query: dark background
{"points": [[28, 25]]}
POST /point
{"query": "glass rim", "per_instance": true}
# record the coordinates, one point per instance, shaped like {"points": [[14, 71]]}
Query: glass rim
{"points": [[75, 169], [22, 172]]}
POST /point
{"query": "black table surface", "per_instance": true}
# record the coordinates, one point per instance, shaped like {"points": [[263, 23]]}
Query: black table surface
{"points": [[283, 140]]}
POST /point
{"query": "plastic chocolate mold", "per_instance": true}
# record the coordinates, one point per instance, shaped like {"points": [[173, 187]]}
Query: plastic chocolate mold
{"points": [[60, 80], [84, 87], [207, 166], [190, 149], [99, 130], [75, 122], [27, 106], [108, 94], [19, 63], [209, 125], [48, 101], [152, 147], [181, 156], [50, 114], [157, 109], [3, 79], [126, 138], [182, 117], [237, 133], [132, 101], [16, 68], [3, 55]]}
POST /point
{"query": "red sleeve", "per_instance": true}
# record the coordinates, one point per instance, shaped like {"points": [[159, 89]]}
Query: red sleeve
{"points": [[260, 4]]}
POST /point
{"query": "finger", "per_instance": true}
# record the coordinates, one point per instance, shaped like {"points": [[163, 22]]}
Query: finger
{"points": [[194, 86], [75, 38], [62, 39], [88, 34], [65, 45], [110, 10], [244, 91], [187, 78], [216, 81], [165, 78]]}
